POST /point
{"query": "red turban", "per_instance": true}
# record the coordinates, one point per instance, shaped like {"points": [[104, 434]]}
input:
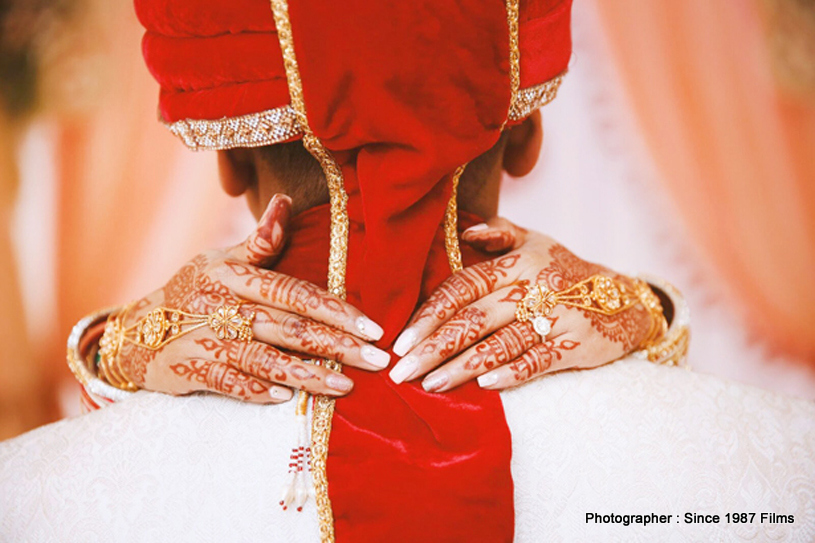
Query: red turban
{"points": [[402, 94]]}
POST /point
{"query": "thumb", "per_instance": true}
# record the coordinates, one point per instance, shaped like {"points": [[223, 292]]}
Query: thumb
{"points": [[497, 235], [266, 242]]}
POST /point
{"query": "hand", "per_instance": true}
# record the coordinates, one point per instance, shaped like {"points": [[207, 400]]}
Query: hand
{"points": [[291, 315], [469, 320]]}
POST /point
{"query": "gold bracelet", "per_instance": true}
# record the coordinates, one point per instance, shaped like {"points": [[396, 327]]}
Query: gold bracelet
{"points": [[110, 345], [671, 348], [658, 323], [98, 390]]}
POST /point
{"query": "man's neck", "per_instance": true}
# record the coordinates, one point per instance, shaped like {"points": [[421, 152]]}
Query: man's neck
{"points": [[480, 199]]}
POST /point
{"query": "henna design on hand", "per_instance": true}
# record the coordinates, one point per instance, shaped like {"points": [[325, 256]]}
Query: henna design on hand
{"points": [[220, 377], [317, 339], [134, 361], [471, 284], [183, 285], [298, 295], [539, 358], [260, 360], [627, 328], [190, 289], [466, 327], [503, 346], [264, 245]]}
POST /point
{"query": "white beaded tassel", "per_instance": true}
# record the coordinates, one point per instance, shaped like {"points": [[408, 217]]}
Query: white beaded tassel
{"points": [[299, 488]]}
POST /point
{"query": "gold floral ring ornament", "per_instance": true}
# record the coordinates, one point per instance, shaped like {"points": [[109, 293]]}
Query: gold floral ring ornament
{"points": [[161, 326], [599, 294]]}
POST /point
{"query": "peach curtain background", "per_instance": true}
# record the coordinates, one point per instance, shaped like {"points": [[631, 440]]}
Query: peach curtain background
{"points": [[130, 204], [735, 144]]}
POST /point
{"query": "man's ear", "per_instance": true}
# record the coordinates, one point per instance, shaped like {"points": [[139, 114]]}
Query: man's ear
{"points": [[523, 146], [237, 170]]}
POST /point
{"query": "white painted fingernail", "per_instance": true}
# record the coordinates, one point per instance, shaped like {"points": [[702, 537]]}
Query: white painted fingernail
{"points": [[369, 328], [476, 228], [434, 382], [404, 369], [280, 393], [487, 380], [405, 342], [339, 382], [375, 357]]}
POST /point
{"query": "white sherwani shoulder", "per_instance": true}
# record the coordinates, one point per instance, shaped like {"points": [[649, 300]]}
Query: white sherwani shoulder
{"points": [[630, 438]]}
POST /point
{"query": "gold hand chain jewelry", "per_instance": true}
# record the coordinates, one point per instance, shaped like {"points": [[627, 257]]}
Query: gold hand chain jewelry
{"points": [[158, 328], [598, 293]]}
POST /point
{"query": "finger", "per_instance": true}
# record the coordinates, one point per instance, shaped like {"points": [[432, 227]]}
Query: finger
{"points": [[304, 335], [551, 355], [469, 325], [207, 375], [494, 236], [293, 295], [456, 292], [504, 345], [266, 242], [269, 364]]}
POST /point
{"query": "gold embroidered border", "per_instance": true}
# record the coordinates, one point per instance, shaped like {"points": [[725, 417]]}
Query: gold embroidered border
{"points": [[514, 58], [323, 406], [281, 124], [253, 130], [451, 243], [533, 98]]}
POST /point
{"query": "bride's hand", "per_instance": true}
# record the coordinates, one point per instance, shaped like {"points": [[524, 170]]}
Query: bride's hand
{"points": [[469, 321], [290, 315]]}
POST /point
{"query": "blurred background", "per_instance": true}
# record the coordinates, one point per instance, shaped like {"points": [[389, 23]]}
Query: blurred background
{"points": [[682, 144]]}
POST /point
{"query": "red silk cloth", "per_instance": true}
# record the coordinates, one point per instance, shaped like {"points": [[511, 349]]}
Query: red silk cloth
{"points": [[402, 93], [404, 464]]}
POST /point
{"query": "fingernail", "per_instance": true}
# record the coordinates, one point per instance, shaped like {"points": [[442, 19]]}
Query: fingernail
{"points": [[280, 393], [369, 328], [270, 208], [476, 228], [277, 234], [405, 342], [403, 369], [375, 357], [339, 382], [487, 380], [434, 382]]}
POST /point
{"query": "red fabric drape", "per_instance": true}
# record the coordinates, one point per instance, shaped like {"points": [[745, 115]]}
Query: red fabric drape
{"points": [[404, 464]]}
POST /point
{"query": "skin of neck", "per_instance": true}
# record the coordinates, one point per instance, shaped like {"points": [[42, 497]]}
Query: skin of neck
{"points": [[481, 200], [246, 172]]}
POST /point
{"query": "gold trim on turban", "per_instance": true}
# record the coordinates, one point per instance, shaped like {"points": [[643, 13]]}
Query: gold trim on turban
{"points": [[281, 124]]}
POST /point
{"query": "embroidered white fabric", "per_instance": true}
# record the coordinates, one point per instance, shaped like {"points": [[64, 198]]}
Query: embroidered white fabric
{"points": [[629, 438]]}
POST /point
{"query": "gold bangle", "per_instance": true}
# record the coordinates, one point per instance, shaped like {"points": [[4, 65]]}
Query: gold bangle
{"points": [[98, 390], [110, 345], [671, 348], [658, 323]]}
